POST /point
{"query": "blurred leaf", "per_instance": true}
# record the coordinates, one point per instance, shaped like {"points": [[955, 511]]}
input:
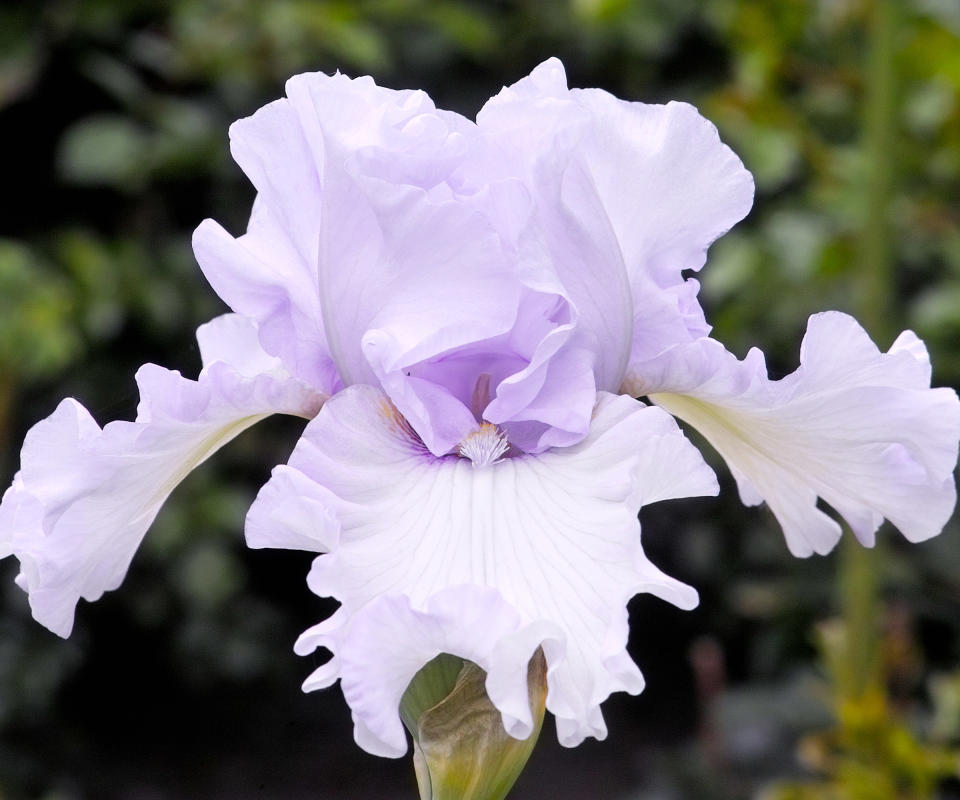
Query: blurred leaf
{"points": [[36, 332], [106, 149], [21, 54]]}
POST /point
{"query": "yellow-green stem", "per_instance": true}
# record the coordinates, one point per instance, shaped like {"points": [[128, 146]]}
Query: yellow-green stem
{"points": [[876, 262], [860, 567]]}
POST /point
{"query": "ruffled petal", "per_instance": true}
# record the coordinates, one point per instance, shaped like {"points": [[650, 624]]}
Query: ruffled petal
{"points": [[368, 197], [410, 278], [856, 427], [261, 277], [533, 132], [84, 496], [379, 152], [300, 270], [555, 535], [380, 648], [270, 273], [358, 285], [667, 185], [670, 186], [397, 136]]}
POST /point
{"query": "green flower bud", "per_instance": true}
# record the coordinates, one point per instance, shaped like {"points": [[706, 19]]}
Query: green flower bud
{"points": [[461, 750]]}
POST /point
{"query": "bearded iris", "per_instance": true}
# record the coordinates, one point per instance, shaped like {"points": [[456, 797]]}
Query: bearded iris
{"points": [[465, 313]]}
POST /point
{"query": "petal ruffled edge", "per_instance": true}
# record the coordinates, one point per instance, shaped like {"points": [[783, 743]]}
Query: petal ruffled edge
{"points": [[84, 496], [381, 647], [859, 428], [400, 523]]}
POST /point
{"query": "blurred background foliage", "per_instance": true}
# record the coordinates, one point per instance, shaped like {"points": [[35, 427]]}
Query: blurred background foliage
{"points": [[113, 119]]}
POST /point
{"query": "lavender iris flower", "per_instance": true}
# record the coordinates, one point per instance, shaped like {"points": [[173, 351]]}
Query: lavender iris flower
{"points": [[465, 313]]}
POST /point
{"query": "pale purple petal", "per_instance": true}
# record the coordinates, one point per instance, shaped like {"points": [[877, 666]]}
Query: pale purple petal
{"points": [[261, 277], [670, 186], [398, 136], [549, 402], [856, 427], [533, 132], [667, 185], [411, 279], [381, 647], [272, 150], [555, 534], [270, 273], [84, 497], [393, 243]]}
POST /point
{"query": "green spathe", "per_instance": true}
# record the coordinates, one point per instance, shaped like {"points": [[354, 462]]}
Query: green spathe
{"points": [[461, 750]]}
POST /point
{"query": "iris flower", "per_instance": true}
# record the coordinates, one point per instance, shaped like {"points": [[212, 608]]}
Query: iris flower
{"points": [[466, 313]]}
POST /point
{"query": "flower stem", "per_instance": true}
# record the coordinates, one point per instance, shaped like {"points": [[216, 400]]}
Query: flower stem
{"points": [[860, 567], [876, 256]]}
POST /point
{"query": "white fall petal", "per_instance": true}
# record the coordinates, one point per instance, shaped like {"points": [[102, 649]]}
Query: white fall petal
{"points": [[381, 647], [555, 535], [85, 496], [856, 427]]}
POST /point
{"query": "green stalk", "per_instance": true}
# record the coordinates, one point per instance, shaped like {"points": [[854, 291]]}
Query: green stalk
{"points": [[859, 567], [876, 258]]}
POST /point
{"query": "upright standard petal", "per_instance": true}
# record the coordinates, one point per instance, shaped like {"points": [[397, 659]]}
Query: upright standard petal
{"points": [[856, 427], [451, 278], [270, 273], [381, 236], [379, 271], [397, 244], [555, 535], [537, 137], [85, 496], [669, 187]]}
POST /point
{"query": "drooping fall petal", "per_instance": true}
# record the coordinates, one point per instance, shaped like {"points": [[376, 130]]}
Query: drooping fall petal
{"points": [[85, 496], [856, 427], [556, 535]]}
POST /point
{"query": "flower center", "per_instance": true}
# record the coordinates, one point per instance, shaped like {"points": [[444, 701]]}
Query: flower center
{"points": [[485, 446]]}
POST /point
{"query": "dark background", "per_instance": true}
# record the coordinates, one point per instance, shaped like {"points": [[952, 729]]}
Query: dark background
{"points": [[183, 684]]}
